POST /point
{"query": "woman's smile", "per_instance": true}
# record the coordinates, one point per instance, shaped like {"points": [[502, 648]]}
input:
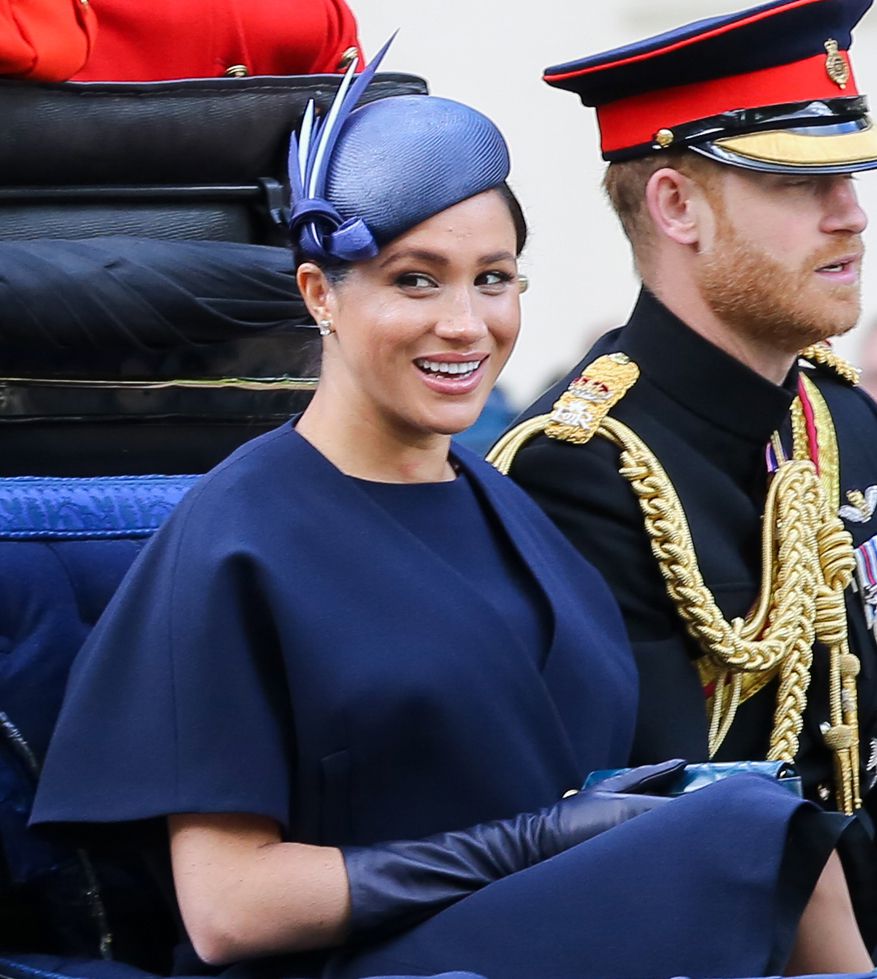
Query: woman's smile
{"points": [[452, 373]]}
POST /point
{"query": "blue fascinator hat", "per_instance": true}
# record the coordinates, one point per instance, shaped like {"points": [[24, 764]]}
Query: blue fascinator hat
{"points": [[361, 177]]}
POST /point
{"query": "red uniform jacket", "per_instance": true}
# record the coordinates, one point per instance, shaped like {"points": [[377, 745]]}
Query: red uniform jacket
{"points": [[166, 39], [45, 40]]}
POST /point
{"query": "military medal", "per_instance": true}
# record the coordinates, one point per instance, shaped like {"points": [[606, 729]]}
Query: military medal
{"points": [[871, 767], [866, 580], [859, 510], [861, 505]]}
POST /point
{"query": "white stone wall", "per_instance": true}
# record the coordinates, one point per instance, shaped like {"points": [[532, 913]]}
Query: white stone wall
{"points": [[491, 54]]}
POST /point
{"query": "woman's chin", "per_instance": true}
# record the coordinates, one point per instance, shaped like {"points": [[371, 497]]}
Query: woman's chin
{"points": [[454, 423]]}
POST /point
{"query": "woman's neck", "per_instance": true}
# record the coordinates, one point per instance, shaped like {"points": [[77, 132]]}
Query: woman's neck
{"points": [[369, 448]]}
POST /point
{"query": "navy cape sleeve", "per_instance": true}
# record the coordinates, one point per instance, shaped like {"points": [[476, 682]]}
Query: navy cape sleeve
{"points": [[177, 702]]}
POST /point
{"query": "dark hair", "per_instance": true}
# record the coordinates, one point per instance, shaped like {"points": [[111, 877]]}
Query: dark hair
{"points": [[517, 213], [335, 270]]}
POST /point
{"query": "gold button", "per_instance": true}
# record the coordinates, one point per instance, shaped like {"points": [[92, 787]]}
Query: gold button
{"points": [[348, 57], [236, 71], [664, 138]]}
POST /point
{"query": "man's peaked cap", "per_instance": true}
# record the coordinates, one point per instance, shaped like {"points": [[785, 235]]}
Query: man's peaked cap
{"points": [[768, 88]]}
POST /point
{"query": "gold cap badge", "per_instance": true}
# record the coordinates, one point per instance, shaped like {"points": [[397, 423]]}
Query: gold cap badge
{"points": [[835, 64]]}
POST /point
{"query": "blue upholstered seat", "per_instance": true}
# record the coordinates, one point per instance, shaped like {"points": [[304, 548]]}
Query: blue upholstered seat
{"points": [[66, 967], [65, 544]]}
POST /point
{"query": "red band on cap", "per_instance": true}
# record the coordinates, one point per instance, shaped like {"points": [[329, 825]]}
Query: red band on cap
{"points": [[634, 121]]}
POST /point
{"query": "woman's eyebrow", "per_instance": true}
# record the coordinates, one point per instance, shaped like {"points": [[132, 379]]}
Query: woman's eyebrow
{"points": [[424, 255], [418, 254], [503, 256]]}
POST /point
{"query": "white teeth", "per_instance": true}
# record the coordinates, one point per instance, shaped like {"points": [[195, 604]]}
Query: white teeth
{"points": [[448, 367]]}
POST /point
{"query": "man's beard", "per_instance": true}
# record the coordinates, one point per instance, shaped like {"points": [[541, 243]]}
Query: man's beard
{"points": [[787, 309]]}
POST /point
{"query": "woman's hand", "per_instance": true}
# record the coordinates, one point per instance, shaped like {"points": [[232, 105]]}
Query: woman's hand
{"points": [[243, 892], [396, 884], [583, 815]]}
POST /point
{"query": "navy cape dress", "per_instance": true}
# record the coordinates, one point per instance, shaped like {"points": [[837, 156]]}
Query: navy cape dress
{"points": [[290, 644]]}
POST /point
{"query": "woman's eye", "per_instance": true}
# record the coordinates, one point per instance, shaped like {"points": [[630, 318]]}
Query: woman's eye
{"points": [[494, 279], [415, 280]]}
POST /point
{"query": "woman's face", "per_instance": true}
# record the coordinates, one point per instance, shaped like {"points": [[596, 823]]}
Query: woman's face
{"points": [[423, 329]]}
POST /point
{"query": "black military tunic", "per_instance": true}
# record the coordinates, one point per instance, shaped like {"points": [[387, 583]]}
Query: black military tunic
{"points": [[708, 418]]}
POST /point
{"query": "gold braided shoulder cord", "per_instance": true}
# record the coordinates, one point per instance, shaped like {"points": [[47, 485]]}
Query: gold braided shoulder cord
{"points": [[502, 455], [779, 632], [838, 562], [807, 562]]}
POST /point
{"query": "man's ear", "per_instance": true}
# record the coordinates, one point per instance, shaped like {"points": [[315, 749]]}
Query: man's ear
{"points": [[316, 290], [676, 204]]}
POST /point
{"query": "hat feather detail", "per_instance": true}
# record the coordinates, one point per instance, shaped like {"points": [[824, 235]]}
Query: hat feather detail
{"points": [[320, 228]]}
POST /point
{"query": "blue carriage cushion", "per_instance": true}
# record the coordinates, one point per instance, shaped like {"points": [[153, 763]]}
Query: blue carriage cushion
{"points": [[65, 545], [52, 967], [67, 967]]}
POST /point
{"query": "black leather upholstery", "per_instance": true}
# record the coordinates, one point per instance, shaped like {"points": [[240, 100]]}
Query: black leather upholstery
{"points": [[148, 138]]}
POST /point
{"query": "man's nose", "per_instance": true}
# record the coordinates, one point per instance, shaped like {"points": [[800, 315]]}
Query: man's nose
{"points": [[843, 210]]}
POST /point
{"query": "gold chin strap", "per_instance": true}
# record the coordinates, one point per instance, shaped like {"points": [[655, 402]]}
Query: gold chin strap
{"points": [[807, 563]]}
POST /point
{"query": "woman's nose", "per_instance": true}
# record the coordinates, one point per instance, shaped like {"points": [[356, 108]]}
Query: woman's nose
{"points": [[461, 320]]}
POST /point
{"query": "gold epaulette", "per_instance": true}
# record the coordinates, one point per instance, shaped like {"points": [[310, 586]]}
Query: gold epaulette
{"points": [[821, 355], [579, 411]]}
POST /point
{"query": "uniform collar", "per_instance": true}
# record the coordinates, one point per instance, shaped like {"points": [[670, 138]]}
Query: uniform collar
{"points": [[702, 378]]}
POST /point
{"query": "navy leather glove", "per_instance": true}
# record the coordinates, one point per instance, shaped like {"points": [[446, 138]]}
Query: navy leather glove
{"points": [[395, 884]]}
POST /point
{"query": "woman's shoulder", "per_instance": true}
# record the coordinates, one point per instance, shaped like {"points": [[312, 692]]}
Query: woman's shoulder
{"points": [[253, 457], [274, 462], [273, 472]]}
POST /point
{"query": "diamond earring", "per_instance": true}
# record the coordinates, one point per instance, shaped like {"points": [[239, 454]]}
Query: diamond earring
{"points": [[326, 327]]}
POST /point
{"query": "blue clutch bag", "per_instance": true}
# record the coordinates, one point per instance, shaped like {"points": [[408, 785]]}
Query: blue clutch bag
{"points": [[697, 776]]}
